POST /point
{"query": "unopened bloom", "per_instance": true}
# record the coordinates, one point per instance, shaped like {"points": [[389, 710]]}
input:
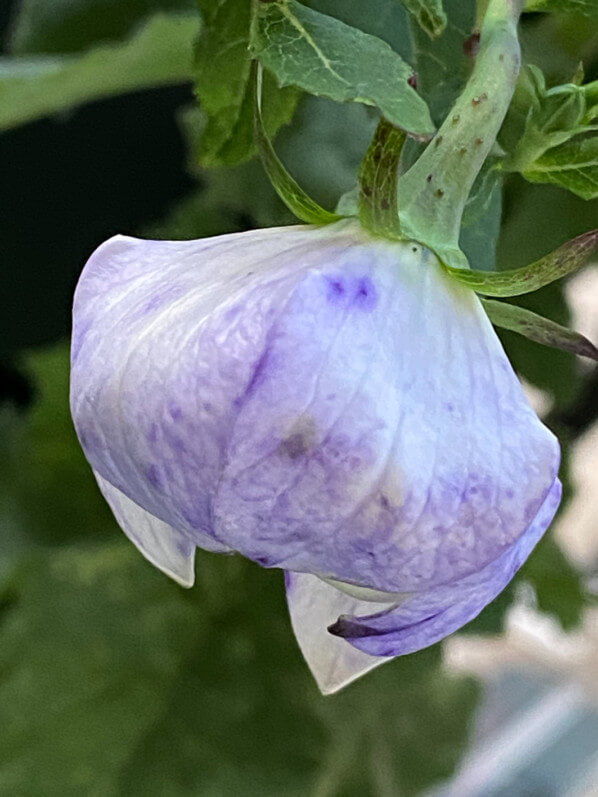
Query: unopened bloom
{"points": [[320, 401]]}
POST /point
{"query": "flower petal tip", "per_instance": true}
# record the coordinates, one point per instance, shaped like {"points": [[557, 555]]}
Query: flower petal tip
{"points": [[333, 662]]}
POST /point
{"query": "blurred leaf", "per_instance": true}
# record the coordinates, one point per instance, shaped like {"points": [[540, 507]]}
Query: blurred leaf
{"points": [[325, 57], [573, 166], [117, 682], [429, 15], [443, 65], [53, 496], [68, 26], [222, 67], [557, 584], [159, 53], [87, 662], [480, 225], [588, 7]]}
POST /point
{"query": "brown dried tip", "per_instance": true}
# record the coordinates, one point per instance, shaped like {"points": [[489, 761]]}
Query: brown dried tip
{"points": [[471, 46], [412, 80]]}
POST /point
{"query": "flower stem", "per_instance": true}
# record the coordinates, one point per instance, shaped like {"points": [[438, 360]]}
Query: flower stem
{"points": [[432, 194]]}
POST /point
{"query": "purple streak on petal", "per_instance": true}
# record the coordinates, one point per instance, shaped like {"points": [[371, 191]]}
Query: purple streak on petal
{"points": [[159, 358], [343, 461], [425, 618]]}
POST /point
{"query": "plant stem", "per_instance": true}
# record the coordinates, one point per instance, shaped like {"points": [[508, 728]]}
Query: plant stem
{"points": [[432, 194]]}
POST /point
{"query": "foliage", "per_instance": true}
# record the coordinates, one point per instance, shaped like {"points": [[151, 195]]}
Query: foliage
{"points": [[113, 681]]}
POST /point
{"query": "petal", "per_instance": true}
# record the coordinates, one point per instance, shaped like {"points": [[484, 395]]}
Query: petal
{"points": [[386, 440], [167, 337], [165, 547], [429, 616], [313, 605]]}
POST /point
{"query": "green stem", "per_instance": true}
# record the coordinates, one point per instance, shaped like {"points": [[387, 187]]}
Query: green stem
{"points": [[433, 193]]}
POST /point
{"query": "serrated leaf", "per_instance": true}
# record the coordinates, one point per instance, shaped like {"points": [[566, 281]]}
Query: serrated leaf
{"points": [[429, 15], [325, 57], [573, 166], [159, 53], [539, 329], [566, 259], [68, 26]]}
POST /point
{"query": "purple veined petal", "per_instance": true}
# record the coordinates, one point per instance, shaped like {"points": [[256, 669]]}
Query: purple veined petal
{"points": [[431, 615], [167, 337], [386, 440], [165, 547], [313, 606]]}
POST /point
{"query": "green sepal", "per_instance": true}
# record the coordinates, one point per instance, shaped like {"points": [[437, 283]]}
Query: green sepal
{"points": [[539, 329], [298, 202], [378, 208], [566, 259]]}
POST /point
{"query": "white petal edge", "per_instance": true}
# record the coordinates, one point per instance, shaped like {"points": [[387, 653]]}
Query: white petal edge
{"points": [[313, 606], [164, 547]]}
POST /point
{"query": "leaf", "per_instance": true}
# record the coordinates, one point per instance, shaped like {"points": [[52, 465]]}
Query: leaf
{"points": [[103, 659], [378, 207], [291, 193], [45, 466], [539, 329], [159, 53], [558, 586], [564, 260], [443, 65], [87, 663], [222, 84], [573, 166], [429, 15], [480, 224], [587, 7], [325, 57], [68, 26]]}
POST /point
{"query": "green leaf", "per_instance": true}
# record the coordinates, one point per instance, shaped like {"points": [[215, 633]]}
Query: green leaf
{"points": [[378, 207], [539, 329], [480, 224], [429, 15], [159, 53], [103, 659], [325, 57], [287, 188], [442, 65], [587, 7], [68, 26], [222, 70], [564, 260], [45, 466], [573, 166], [558, 586]]}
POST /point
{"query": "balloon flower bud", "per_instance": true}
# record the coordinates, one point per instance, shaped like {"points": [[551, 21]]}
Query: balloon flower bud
{"points": [[320, 401]]}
